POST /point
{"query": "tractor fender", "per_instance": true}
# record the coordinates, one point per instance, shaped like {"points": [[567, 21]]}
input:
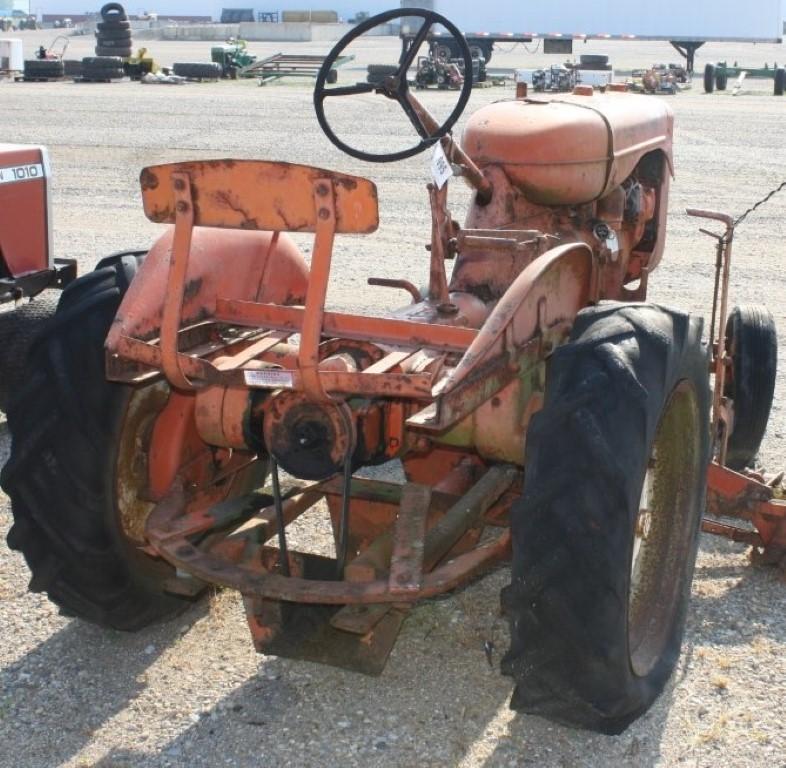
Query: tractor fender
{"points": [[244, 265], [550, 291]]}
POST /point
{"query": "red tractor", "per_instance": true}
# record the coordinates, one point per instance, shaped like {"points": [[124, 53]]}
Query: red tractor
{"points": [[27, 263], [539, 407]]}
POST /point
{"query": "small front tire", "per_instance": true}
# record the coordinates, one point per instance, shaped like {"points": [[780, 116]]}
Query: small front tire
{"points": [[752, 345]]}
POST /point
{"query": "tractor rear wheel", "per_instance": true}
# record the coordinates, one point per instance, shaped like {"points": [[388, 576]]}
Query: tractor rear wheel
{"points": [[605, 535], [78, 474]]}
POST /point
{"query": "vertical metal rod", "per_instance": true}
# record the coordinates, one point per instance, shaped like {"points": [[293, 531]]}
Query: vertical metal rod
{"points": [[283, 557], [343, 531], [718, 265], [720, 366]]}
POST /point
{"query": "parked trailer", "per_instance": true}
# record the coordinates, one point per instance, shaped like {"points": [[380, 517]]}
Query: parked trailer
{"points": [[557, 23]]}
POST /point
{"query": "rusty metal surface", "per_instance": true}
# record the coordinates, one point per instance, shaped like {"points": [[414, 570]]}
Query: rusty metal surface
{"points": [[249, 575], [413, 334], [404, 285], [361, 619], [325, 202], [721, 414], [255, 194], [305, 632], [255, 257], [406, 560], [534, 140], [176, 282], [747, 497]]}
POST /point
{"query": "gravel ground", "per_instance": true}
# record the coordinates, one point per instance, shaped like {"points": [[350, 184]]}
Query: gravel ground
{"points": [[192, 692]]}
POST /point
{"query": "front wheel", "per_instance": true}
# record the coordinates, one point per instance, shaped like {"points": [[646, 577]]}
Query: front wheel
{"points": [[752, 345], [605, 535]]}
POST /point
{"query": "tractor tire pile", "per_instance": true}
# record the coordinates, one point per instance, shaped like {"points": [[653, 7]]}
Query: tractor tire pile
{"points": [[113, 32], [197, 70], [102, 69], [37, 70]]}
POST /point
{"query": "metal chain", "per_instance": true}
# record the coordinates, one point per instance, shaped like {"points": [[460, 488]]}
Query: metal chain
{"points": [[750, 210]]}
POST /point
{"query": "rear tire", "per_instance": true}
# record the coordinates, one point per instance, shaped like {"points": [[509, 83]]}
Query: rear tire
{"points": [[721, 80], [596, 626], [752, 343], [60, 477]]}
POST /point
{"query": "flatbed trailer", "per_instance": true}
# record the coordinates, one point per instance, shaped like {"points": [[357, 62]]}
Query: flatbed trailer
{"points": [[558, 23]]}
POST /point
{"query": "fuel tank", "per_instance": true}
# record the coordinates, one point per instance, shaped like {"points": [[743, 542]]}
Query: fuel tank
{"points": [[569, 149]]}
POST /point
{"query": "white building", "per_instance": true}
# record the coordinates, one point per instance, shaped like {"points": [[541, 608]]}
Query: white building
{"points": [[344, 8]]}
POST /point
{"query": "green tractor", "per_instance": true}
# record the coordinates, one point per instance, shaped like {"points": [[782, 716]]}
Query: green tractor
{"points": [[232, 57]]}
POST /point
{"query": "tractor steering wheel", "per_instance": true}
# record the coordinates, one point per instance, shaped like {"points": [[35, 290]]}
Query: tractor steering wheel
{"points": [[395, 86]]}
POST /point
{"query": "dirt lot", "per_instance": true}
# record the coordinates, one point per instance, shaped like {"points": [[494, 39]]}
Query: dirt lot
{"points": [[193, 692]]}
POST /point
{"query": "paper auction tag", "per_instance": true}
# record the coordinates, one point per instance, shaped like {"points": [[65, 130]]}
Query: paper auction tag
{"points": [[441, 170]]}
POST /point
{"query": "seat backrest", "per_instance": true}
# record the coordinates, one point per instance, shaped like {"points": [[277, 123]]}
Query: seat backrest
{"points": [[256, 194]]}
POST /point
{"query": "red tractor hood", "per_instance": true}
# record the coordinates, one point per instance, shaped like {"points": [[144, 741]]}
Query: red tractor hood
{"points": [[569, 149]]}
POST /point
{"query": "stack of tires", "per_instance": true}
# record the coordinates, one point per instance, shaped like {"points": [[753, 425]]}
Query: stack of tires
{"points": [[43, 69], [198, 70], [378, 72], [113, 32], [594, 61], [102, 69], [72, 67]]}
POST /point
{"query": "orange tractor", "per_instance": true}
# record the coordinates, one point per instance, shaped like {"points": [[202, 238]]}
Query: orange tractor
{"points": [[27, 263], [539, 408]]}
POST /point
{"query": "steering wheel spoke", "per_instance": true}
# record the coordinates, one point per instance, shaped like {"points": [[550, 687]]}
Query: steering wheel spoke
{"points": [[412, 114], [420, 38], [349, 90], [396, 86]]}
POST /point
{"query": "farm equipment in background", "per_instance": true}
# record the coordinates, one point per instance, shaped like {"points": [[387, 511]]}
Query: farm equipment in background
{"points": [[282, 65], [556, 79], [48, 63], [438, 73], [26, 22], [433, 71], [27, 264], [56, 50], [591, 69], [139, 65], [659, 79], [233, 57], [716, 76], [539, 407]]}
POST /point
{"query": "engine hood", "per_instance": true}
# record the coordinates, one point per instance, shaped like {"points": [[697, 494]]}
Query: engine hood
{"points": [[569, 149]]}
